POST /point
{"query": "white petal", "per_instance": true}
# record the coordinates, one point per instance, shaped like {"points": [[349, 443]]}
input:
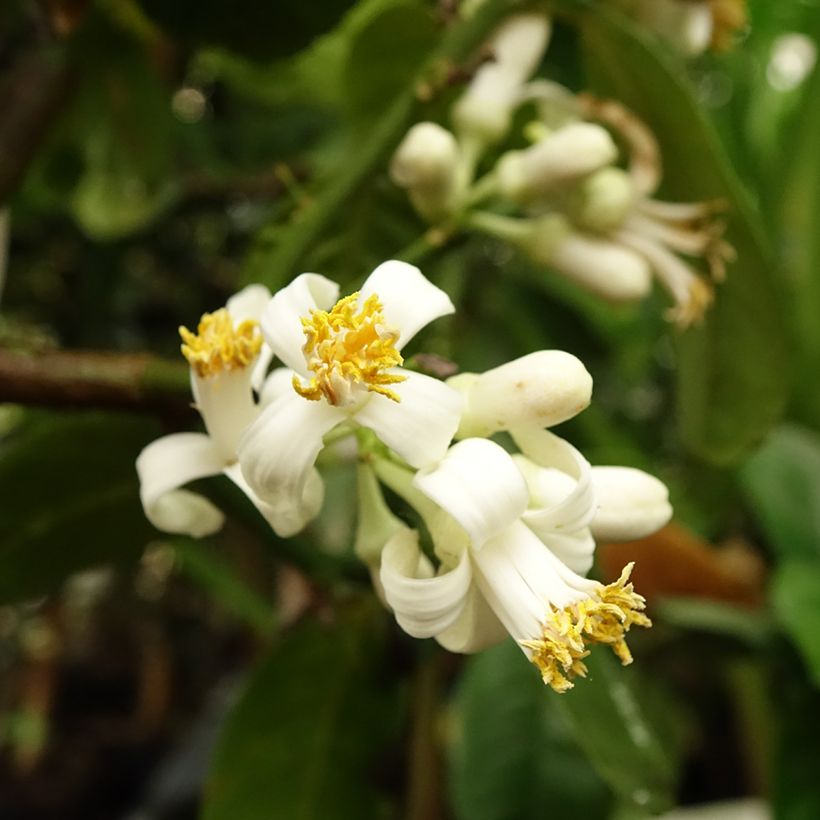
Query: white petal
{"points": [[260, 367], [540, 389], [248, 303], [278, 383], [423, 605], [631, 504], [278, 452], [281, 321], [475, 629], [167, 464], [420, 426], [410, 300], [284, 521], [225, 402], [479, 485]]}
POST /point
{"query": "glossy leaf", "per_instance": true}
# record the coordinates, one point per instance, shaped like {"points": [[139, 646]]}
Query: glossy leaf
{"points": [[70, 499], [796, 601], [304, 739], [515, 753], [732, 373], [782, 482]]}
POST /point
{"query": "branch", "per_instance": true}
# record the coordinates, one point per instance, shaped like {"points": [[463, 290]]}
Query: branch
{"points": [[124, 381]]}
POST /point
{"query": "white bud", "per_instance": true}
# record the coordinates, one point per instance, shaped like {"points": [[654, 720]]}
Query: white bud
{"points": [[602, 202], [538, 390], [484, 112], [631, 504], [600, 265], [687, 25], [426, 164], [562, 157]]}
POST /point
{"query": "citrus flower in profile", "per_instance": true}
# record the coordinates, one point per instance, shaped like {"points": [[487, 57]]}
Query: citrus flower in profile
{"points": [[344, 357], [513, 548], [228, 359]]}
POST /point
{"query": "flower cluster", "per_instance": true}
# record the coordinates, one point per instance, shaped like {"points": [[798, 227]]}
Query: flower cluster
{"points": [[563, 199], [513, 534]]}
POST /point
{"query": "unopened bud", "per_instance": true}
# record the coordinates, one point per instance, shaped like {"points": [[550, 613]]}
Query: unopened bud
{"points": [[631, 504], [563, 157], [538, 390], [426, 164], [687, 25], [602, 202]]}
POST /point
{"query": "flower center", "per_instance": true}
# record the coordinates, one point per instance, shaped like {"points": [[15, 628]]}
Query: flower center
{"points": [[605, 619], [218, 345], [349, 353]]}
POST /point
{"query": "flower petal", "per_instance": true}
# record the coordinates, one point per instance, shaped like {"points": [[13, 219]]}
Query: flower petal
{"points": [[278, 383], [278, 451], [410, 300], [424, 605], [167, 464], [420, 426], [281, 321], [248, 303], [475, 629], [631, 504], [479, 485], [284, 521]]}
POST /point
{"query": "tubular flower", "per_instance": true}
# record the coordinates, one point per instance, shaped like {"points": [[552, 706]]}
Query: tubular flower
{"points": [[344, 358], [505, 562], [228, 358]]}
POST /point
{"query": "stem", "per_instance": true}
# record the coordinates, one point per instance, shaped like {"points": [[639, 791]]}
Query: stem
{"points": [[424, 776], [458, 44], [125, 381], [431, 240], [500, 227]]}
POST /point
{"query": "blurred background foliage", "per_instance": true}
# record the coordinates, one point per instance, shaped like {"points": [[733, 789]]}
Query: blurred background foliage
{"points": [[156, 156]]}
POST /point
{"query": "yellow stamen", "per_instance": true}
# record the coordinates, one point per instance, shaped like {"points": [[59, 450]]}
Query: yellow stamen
{"points": [[349, 353], [728, 17], [604, 618], [701, 296], [218, 345]]}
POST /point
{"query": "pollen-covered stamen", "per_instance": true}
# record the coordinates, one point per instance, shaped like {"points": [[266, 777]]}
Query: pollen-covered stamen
{"points": [[349, 352], [219, 345], [605, 617]]}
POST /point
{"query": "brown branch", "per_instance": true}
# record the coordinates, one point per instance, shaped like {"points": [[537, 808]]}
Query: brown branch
{"points": [[124, 381]]}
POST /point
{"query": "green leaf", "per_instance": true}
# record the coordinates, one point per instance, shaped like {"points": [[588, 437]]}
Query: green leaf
{"points": [[782, 483], [732, 375], [630, 731], [396, 40], [303, 739], [70, 499], [515, 754], [796, 601]]}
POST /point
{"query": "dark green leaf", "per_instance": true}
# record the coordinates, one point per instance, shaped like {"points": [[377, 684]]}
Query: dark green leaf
{"points": [[515, 753], [732, 376], [782, 482], [304, 738], [796, 601], [70, 499]]}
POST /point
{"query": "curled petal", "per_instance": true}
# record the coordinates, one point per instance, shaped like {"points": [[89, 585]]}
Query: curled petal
{"points": [[278, 452], [631, 504], [281, 321], [167, 464], [479, 485], [410, 300], [424, 604], [248, 303], [420, 426], [476, 628]]}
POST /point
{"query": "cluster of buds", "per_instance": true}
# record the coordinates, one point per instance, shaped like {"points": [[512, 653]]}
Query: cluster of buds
{"points": [[513, 534], [564, 200]]}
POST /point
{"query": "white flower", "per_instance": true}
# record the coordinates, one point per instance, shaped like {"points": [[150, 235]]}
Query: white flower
{"points": [[346, 359], [509, 561], [228, 359]]}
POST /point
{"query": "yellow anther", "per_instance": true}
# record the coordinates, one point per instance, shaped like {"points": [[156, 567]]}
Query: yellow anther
{"points": [[604, 618], [349, 353], [701, 296], [218, 345]]}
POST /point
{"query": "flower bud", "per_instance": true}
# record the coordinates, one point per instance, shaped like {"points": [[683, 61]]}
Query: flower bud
{"points": [[538, 390], [484, 111], [562, 157], [602, 202], [631, 504], [687, 25], [426, 164]]}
